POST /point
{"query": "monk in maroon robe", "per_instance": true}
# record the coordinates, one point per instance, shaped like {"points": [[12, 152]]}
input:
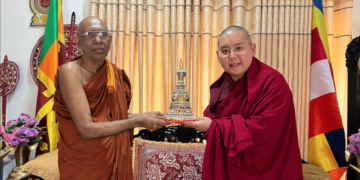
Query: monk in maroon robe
{"points": [[91, 102], [249, 124]]}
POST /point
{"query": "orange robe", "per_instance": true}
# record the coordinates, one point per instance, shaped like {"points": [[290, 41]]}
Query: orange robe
{"points": [[101, 158]]}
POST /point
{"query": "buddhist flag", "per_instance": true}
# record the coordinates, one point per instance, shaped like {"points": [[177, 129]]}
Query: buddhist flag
{"points": [[326, 131], [52, 55]]}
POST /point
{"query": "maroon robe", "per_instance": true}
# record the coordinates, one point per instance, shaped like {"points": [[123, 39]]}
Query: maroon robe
{"points": [[253, 134]]}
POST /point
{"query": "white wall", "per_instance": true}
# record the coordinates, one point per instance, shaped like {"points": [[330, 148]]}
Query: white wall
{"points": [[86, 8], [356, 19], [17, 39]]}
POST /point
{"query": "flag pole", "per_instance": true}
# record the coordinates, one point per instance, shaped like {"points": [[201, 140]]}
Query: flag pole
{"points": [[3, 91], [71, 36]]}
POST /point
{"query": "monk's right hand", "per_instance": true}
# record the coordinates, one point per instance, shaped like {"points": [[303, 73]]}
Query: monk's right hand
{"points": [[152, 121]]}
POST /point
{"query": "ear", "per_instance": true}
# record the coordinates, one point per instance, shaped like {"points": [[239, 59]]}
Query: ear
{"points": [[110, 39], [253, 48], [77, 41], [217, 54]]}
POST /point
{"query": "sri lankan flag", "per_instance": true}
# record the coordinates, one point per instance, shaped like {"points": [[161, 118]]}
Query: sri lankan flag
{"points": [[52, 55], [326, 132]]}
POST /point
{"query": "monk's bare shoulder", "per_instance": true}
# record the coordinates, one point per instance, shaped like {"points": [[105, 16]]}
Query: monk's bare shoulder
{"points": [[70, 73]]}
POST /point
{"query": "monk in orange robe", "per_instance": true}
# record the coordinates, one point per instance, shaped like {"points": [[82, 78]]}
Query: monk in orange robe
{"points": [[91, 102], [249, 124]]}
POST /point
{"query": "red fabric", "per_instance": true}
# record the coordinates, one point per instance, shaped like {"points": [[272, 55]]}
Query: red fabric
{"points": [[336, 174], [318, 50], [317, 47], [318, 106], [161, 160], [165, 165], [221, 90], [253, 133]]}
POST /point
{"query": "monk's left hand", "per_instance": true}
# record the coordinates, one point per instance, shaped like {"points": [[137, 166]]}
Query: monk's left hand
{"points": [[201, 124]]}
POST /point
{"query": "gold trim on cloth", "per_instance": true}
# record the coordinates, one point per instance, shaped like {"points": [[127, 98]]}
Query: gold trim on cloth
{"points": [[143, 149]]}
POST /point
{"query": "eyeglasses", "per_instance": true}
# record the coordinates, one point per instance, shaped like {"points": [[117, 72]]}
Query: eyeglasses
{"points": [[91, 35], [237, 50]]}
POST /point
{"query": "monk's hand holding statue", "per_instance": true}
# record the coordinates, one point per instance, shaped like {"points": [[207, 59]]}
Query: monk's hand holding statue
{"points": [[152, 120], [201, 124]]}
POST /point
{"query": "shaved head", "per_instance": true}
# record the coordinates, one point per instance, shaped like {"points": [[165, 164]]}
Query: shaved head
{"points": [[232, 29], [94, 48], [89, 21], [235, 51]]}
